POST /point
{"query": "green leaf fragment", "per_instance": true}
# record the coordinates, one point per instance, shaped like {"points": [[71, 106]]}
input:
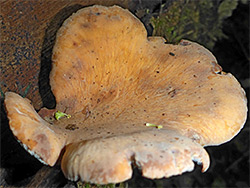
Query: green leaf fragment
{"points": [[59, 115], [153, 125], [159, 127]]}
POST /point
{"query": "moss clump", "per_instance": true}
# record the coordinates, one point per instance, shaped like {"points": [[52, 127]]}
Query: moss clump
{"points": [[199, 21], [111, 185]]}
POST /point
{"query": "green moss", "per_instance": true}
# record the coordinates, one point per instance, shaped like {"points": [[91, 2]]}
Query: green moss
{"points": [[199, 21], [111, 185]]}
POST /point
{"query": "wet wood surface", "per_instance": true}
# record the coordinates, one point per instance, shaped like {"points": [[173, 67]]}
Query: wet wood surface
{"points": [[28, 32]]}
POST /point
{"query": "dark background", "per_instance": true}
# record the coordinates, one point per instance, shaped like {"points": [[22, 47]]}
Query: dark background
{"points": [[229, 162]]}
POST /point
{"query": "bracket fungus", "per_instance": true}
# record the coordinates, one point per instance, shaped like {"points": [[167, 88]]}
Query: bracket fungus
{"points": [[113, 80]]}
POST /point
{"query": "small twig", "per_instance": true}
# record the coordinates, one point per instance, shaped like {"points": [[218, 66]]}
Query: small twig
{"points": [[236, 162]]}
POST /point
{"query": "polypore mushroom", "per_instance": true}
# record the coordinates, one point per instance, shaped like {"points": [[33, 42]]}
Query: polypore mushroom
{"points": [[114, 81]]}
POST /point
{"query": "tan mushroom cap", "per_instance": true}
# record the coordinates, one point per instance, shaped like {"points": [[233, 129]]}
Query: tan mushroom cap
{"points": [[113, 80], [34, 133]]}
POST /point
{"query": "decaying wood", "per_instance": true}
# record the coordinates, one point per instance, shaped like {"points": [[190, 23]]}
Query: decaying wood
{"points": [[28, 31], [49, 177]]}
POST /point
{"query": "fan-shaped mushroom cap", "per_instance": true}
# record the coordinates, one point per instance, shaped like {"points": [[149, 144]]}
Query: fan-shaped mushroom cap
{"points": [[34, 133], [113, 80]]}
